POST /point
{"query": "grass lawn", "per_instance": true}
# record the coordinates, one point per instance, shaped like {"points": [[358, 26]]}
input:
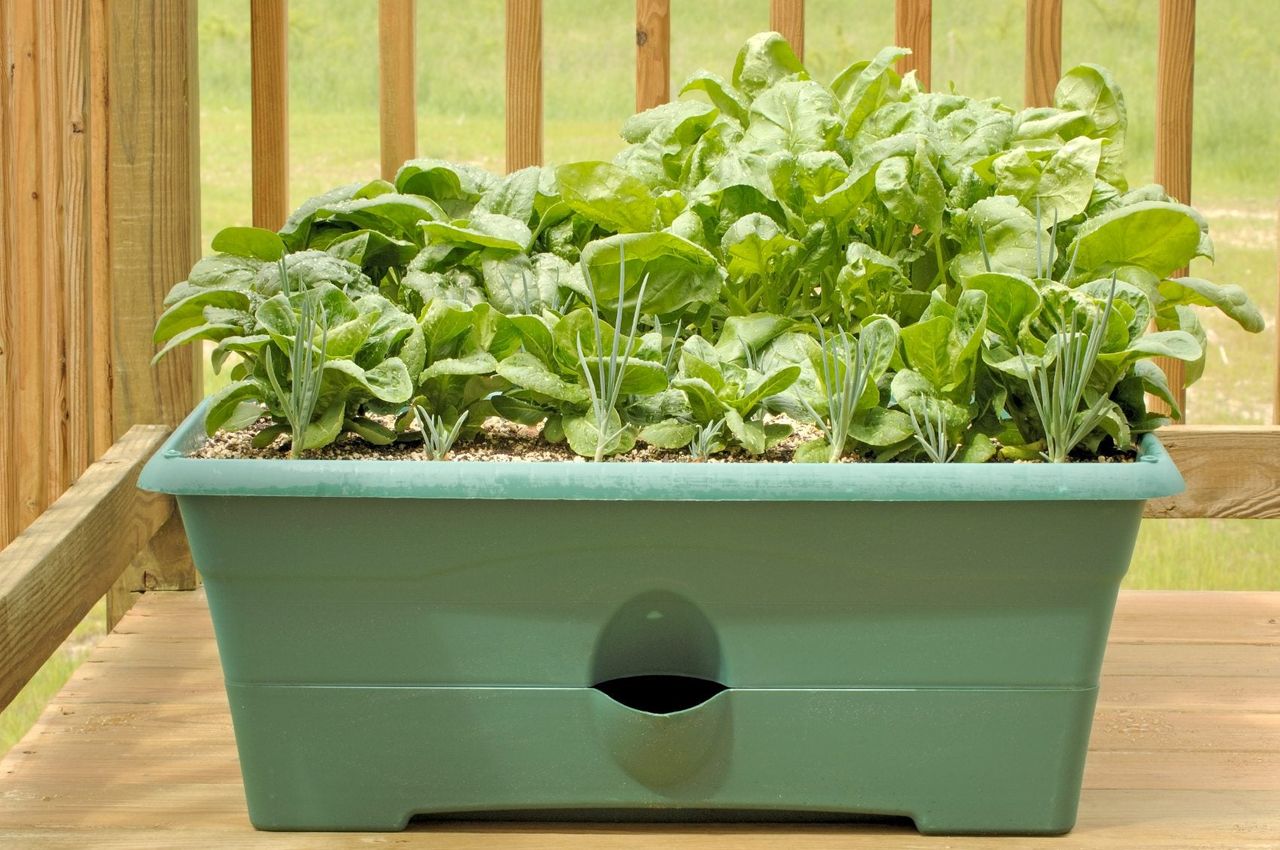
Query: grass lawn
{"points": [[588, 81]]}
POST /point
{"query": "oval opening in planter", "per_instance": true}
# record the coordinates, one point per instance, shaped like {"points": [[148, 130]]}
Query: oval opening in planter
{"points": [[660, 694]]}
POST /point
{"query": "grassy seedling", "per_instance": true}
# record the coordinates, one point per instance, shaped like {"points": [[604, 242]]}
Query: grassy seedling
{"points": [[606, 385], [706, 440], [844, 376], [1057, 390], [931, 434], [306, 372], [437, 438]]}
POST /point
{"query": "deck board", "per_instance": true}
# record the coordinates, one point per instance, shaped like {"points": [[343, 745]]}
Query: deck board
{"points": [[136, 751]]}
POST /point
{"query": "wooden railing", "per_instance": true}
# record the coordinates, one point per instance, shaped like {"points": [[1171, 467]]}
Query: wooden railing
{"points": [[99, 209]]}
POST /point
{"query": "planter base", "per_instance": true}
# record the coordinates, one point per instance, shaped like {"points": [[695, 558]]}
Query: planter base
{"points": [[361, 758]]}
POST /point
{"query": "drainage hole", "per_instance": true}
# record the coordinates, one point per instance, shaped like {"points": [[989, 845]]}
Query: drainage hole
{"points": [[660, 694]]}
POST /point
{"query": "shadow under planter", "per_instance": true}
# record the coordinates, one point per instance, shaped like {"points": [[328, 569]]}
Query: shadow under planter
{"points": [[661, 641]]}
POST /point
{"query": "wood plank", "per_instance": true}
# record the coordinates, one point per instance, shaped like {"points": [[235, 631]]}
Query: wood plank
{"points": [[155, 201], [787, 18], [1175, 91], [54, 572], [1191, 659], [25, 439], [397, 84], [1043, 62], [1153, 729], [1196, 617], [1231, 471], [524, 83], [99, 230], [9, 525], [153, 121], [1192, 693], [913, 27], [1173, 777], [51, 280], [73, 75], [653, 53], [269, 63]]}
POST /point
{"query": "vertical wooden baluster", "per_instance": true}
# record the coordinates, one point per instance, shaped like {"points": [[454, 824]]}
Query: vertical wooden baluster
{"points": [[8, 286], [1174, 95], [787, 17], [1275, 398], [269, 40], [913, 25], [99, 229], [653, 53], [25, 432], [524, 83], [1043, 65], [73, 77], [397, 84], [52, 280]]}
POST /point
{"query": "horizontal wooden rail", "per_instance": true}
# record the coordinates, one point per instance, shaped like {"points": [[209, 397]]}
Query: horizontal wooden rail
{"points": [[56, 570], [1231, 471]]}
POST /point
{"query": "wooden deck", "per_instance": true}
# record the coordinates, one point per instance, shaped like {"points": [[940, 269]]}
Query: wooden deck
{"points": [[136, 752]]}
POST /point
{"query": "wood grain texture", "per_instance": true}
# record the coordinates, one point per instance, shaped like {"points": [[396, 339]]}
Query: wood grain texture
{"points": [[653, 53], [1231, 471], [52, 279], [75, 235], [1175, 761], [1043, 64], [154, 200], [9, 525], [397, 84], [787, 17], [1175, 90], [99, 229], [913, 28], [25, 440], [269, 51], [54, 572], [524, 83]]}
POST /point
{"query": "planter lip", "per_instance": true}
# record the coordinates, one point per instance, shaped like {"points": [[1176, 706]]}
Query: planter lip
{"points": [[1152, 475]]}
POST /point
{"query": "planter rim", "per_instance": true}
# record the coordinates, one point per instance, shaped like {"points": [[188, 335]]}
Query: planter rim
{"points": [[1152, 475]]}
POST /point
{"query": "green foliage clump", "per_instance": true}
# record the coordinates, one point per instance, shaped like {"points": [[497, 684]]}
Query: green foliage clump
{"points": [[921, 275]]}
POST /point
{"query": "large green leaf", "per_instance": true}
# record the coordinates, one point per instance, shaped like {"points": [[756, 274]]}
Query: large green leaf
{"points": [[765, 59], [1229, 298], [798, 116], [253, 242], [607, 195], [678, 272], [1156, 235]]}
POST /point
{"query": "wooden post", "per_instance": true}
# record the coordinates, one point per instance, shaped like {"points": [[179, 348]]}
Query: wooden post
{"points": [[153, 120], [787, 18], [1043, 65], [397, 84], [653, 53], [524, 83], [269, 48], [1174, 95], [913, 25]]}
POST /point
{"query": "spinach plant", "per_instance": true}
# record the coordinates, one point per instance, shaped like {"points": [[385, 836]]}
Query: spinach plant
{"points": [[981, 281]]}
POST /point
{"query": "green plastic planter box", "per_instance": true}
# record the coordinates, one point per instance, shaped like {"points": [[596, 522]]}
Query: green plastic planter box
{"points": [[660, 641]]}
